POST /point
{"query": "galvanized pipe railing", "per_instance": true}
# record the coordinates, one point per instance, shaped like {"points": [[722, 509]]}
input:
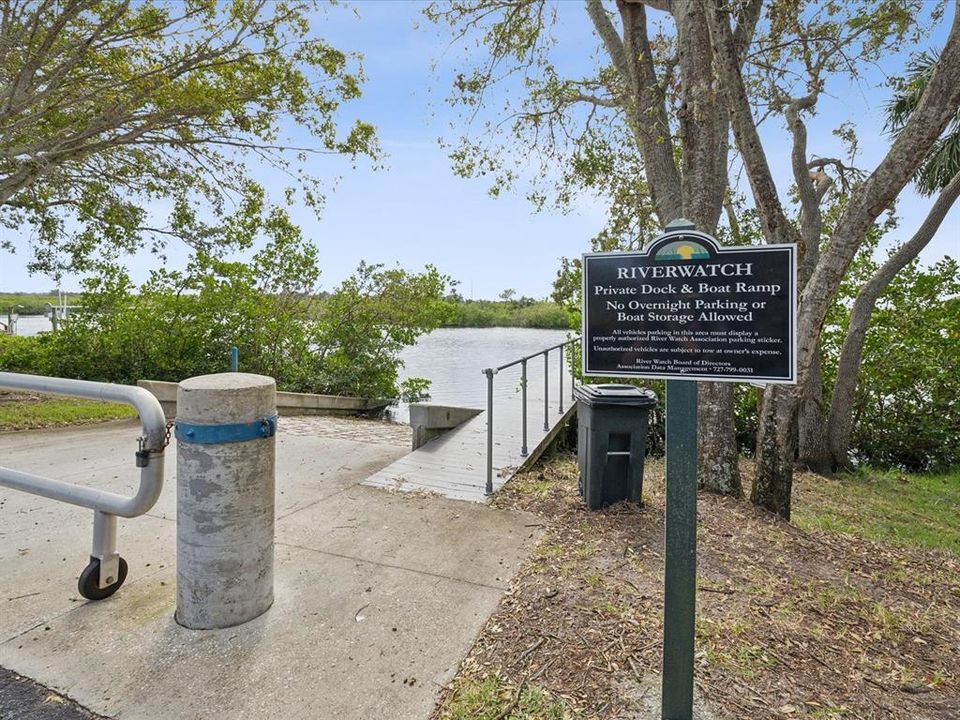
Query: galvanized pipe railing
{"points": [[107, 570], [522, 362]]}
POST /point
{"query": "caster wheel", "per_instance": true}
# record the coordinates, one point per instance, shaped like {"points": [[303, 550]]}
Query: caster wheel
{"points": [[88, 585]]}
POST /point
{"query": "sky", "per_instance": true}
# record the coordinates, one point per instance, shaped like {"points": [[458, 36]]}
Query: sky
{"points": [[415, 211]]}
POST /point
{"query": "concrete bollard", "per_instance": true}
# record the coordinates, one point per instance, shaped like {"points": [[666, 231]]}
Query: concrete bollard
{"points": [[225, 498]]}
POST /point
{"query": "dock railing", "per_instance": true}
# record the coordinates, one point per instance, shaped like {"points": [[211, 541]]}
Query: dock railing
{"points": [[522, 362]]}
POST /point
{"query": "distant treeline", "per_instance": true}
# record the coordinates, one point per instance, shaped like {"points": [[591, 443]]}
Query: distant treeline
{"points": [[508, 313], [524, 312], [33, 303]]}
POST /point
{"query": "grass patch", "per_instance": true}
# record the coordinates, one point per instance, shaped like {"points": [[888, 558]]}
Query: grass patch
{"points": [[491, 698], [903, 509], [29, 412]]}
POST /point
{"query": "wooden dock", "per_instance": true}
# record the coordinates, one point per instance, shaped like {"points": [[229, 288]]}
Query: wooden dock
{"points": [[455, 464]]}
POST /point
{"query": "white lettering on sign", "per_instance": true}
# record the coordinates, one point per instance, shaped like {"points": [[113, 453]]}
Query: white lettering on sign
{"points": [[684, 271]]}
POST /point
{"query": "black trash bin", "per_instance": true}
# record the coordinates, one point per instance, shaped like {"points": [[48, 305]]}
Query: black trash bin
{"points": [[611, 441]]}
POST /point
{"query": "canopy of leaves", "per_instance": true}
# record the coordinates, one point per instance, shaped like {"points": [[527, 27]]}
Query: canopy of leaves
{"points": [[124, 124], [564, 135], [905, 412]]}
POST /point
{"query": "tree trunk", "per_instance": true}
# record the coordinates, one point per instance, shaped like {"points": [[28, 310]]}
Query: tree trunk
{"points": [[936, 108], [840, 421], [776, 446], [717, 467], [814, 449], [696, 189]]}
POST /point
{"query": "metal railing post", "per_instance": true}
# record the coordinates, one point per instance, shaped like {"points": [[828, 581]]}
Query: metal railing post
{"points": [[546, 391], [524, 379], [560, 380], [523, 385], [573, 373], [489, 488]]}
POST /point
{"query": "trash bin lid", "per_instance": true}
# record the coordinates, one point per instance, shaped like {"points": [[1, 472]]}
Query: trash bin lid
{"points": [[629, 395]]}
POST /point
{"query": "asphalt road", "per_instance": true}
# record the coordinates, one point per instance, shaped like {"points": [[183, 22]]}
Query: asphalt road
{"points": [[22, 698]]}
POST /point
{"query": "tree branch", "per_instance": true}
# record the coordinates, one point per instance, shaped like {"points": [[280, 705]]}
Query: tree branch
{"points": [[936, 108], [647, 112], [703, 120], [776, 227], [811, 218]]}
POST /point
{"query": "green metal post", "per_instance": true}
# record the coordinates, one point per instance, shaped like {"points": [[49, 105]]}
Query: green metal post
{"points": [[680, 541]]}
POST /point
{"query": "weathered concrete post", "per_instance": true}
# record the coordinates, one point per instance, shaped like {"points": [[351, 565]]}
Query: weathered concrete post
{"points": [[225, 498]]}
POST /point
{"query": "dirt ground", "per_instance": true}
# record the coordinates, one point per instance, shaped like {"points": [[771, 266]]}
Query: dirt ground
{"points": [[790, 623]]}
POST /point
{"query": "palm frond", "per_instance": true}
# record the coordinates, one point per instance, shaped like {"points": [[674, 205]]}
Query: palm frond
{"points": [[943, 161]]}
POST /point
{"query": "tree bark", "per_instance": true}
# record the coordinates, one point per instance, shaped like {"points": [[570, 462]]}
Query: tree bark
{"points": [[814, 451], [776, 444], [717, 459], [704, 129], [776, 441], [776, 227], [704, 132], [840, 419], [646, 108], [695, 189]]}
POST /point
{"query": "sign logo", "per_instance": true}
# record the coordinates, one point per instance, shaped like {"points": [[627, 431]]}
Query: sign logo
{"points": [[682, 250]]}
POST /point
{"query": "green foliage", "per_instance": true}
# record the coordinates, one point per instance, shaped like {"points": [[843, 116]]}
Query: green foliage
{"points": [[116, 108], [906, 413], [180, 324], [24, 354], [367, 321], [560, 138], [414, 390], [943, 160], [524, 312]]}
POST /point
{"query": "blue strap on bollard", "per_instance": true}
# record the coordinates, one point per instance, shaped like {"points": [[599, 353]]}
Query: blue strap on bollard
{"points": [[264, 427]]}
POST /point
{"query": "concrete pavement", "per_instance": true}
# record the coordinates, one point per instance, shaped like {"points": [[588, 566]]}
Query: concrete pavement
{"points": [[378, 595]]}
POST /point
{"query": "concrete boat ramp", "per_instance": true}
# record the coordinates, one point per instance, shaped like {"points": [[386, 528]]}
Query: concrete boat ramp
{"points": [[379, 595], [454, 465]]}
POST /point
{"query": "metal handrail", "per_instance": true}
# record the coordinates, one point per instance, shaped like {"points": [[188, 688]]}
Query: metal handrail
{"points": [[107, 506], [536, 354], [491, 372]]}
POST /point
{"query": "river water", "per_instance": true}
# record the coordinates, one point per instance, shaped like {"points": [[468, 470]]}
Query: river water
{"points": [[453, 360], [30, 324]]}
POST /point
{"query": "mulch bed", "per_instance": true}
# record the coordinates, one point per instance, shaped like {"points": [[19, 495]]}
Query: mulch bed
{"points": [[790, 623]]}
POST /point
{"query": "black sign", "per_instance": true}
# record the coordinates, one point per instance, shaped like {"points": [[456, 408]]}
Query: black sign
{"points": [[687, 307]]}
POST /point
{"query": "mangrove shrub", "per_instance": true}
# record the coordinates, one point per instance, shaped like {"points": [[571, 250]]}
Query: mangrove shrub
{"points": [[183, 323]]}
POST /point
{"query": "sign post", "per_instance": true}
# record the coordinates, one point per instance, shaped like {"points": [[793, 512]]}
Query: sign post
{"points": [[680, 545], [680, 550], [686, 309]]}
